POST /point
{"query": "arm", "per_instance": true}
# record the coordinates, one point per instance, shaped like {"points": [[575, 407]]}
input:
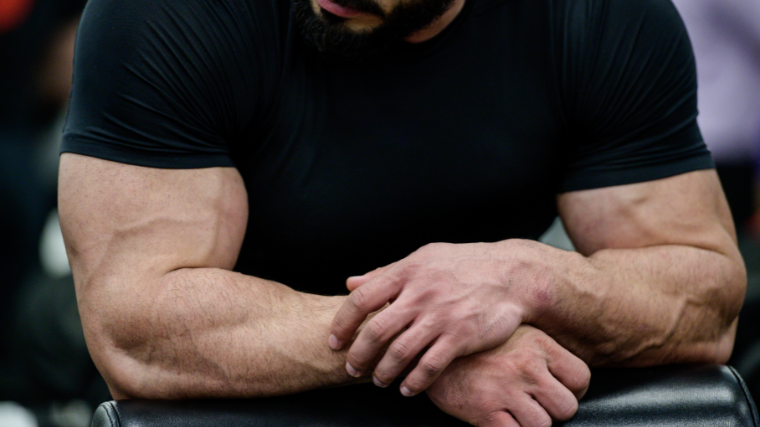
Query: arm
{"points": [[658, 280], [672, 244], [164, 317]]}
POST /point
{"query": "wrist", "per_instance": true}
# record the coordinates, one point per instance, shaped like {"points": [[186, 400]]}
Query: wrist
{"points": [[534, 273]]}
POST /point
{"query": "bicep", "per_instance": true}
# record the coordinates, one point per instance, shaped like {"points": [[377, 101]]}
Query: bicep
{"points": [[688, 209], [122, 220]]}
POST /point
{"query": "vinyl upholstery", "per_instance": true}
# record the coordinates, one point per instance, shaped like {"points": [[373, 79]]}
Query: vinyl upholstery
{"points": [[695, 395]]}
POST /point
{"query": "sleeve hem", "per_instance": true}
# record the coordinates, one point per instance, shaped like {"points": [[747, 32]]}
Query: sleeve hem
{"points": [[153, 159], [590, 180]]}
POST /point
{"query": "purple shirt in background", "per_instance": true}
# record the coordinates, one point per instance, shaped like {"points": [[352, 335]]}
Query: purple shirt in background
{"points": [[726, 39]]}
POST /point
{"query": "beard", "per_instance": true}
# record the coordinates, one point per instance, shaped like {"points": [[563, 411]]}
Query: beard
{"points": [[330, 36]]}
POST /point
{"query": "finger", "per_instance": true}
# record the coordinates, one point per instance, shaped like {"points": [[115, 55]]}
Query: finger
{"points": [[402, 352], [431, 365], [355, 281], [529, 413], [357, 306], [374, 336], [498, 419], [571, 371], [556, 399]]}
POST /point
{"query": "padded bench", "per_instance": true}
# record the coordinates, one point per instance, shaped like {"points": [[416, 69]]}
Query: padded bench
{"points": [[695, 395]]}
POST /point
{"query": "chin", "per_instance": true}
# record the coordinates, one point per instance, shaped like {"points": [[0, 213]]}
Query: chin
{"points": [[368, 35]]}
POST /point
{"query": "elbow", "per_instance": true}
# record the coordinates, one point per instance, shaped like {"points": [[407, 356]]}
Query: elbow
{"points": [[120, 351], [719, 352], [733, 287], [724, 349], [736, 285], [121, 329], [122, 370], [121, 380], [730, 292]]}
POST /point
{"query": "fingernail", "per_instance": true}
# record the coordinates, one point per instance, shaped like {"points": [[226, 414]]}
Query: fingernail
{"points": [[351, 371], [333, 342], [406, 392], [378, 382]]}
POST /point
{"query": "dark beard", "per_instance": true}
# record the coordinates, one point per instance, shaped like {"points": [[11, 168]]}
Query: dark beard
{"points": [[329, 36]]}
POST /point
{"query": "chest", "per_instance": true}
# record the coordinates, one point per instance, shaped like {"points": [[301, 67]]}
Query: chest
{"points": [[400, 154]]}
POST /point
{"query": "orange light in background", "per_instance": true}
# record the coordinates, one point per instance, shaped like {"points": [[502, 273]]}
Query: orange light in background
{"points": [[13, 13]]}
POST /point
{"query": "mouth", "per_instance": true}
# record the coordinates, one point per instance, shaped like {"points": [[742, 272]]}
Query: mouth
{"points": [[340, 11]]}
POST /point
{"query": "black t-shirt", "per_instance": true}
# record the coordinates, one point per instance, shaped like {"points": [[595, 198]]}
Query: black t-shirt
{"points": [[352, 165]]}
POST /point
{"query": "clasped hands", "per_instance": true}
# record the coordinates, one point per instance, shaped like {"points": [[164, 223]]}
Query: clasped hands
{"points": [[460, 312]]}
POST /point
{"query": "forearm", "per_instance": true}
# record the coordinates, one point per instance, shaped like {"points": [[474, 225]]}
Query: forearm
{"points": [[646, 306], [214, 333], [657, 279]]}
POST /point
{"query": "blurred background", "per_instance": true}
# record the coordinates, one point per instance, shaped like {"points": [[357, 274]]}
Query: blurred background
{"points": [[46, 375]]}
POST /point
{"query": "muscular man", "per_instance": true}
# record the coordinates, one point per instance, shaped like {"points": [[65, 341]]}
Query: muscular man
{"points": [[228, 164]]}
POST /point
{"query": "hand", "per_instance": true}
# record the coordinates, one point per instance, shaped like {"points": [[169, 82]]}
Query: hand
{"points": [[525, 382], [454, 299]]}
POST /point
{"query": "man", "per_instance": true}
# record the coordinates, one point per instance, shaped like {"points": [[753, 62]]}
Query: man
{"points": [[301, 144]]}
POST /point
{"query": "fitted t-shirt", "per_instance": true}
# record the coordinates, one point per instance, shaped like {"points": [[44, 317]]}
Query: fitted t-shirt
{"points": [[350, 165]]}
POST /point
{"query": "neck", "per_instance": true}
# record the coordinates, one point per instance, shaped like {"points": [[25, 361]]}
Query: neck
{"points": [[438, 25]]}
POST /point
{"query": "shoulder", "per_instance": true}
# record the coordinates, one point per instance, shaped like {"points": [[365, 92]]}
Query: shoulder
{"points": [[592, 11], [593, 19], [167, 41], [169, 78], [628, 79], [164, 21]]}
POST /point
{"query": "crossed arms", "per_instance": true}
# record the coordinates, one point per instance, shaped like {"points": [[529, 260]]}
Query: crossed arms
{"points": [[657, 279]]}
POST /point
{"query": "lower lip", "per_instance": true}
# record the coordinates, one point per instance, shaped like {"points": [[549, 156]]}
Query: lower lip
{"points": [[337, 10]]}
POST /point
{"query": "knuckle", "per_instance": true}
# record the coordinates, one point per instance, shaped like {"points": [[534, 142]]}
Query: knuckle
{"points": [[544, 343], [358, 299], [543, 421], [383, 376], [579, 378], [431, 249], [491, 416], [431, 366], [338, 326], [376, 329], [410, 269], [584, 377], [427, 248], [399, 351], [567, 409], [493, 405], [385, 281], [430, 369], [356, 361], [531, 370], [488, 417]]}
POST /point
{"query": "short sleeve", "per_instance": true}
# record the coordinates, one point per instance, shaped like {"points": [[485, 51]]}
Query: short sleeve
{"points": [[162, 83], [630, 91]]}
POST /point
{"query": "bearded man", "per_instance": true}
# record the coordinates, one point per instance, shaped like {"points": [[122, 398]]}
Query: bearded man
{"points": [[228, 164]]}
